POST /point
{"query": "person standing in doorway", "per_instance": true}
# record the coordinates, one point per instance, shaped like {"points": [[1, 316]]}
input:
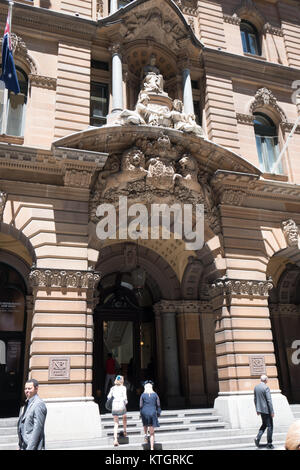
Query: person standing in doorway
{"points": [[110, 371], [31, 423], [119, 394], [264, 408]]}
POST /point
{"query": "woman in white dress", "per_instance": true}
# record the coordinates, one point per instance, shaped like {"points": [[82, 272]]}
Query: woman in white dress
{"points": [[119, 394]]}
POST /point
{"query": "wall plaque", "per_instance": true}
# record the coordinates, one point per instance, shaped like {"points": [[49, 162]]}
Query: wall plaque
{"points": [[59, 368], [257, 365]]}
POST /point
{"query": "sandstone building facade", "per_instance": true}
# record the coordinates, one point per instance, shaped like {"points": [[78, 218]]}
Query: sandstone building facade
{"points": [[88, 128]]}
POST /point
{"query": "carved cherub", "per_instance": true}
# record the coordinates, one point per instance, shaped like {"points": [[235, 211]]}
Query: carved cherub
{"points": [[188, 176], [132, 169]]}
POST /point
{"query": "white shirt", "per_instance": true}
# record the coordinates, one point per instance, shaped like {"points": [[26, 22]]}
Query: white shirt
{"points": [[119, 393]]}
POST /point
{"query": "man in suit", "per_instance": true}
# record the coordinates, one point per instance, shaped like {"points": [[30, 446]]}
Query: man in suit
{"points": [[32, 419], [264, 408]]}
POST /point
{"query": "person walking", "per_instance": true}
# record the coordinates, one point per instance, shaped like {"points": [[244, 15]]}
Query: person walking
{"points": [[31, 423], [264, 408], [150, 410], [119, 394], [110, 371]]}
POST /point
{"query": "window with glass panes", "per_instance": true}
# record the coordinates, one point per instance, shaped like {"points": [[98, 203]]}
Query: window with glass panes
{"points": [[99, 104], [250, 38], [266, 143]]}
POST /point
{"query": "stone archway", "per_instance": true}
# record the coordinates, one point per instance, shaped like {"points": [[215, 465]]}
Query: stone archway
{"points": [[284, 306]]}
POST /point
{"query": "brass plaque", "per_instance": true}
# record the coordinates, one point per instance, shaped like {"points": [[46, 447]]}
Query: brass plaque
{"points": [[257, 365], [59, 368]]}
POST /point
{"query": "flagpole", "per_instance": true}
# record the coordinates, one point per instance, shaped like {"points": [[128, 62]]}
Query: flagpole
{"points": [[274, 168], [5, 99]]}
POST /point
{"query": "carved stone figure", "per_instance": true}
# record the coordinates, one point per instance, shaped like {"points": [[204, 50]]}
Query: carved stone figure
{"points": [[132, 169], [184, 122], [291, 232], [140, 115], [188, 176], [147, 114]]}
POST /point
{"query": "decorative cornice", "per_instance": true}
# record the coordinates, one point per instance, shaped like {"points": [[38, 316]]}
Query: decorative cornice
{"points": [[50, 21], [182, 307], [245, 119], [232, 197], [243, 287], [275, 30], [232, 19], [253, 186], [188, 7], [52, 278], [42, 82], [288, 126]]}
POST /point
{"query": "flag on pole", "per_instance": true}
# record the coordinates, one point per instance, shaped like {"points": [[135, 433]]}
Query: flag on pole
{"points": [[9, 74]]}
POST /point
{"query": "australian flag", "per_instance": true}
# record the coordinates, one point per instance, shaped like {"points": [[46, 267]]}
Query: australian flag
{"points": [[8, 75]]}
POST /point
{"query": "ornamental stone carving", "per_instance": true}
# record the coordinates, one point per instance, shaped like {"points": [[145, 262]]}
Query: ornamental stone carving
{"points": [[20, 50], [42, 82], [52, 278], [132, 169], [233, 197], [241, 287], [188, 173], [291, 232], [155, 108], [265, 98], [3, 198], [153, 24]]}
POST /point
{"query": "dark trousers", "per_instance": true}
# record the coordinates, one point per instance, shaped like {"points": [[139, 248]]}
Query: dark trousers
{"points": [[267, 422]]}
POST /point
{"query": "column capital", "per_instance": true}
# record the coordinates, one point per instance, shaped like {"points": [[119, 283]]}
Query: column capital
{"points": [[115, 48], [242, 287], [63, 279], [184, 62]]}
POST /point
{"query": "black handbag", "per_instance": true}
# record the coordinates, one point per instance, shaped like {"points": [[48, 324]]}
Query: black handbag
{"points": [[108, 404]]}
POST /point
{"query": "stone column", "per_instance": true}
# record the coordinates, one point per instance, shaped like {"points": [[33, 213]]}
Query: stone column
{"points": [[170, 353], [113, 6], [62, 349], [117, 79], [187, 91], [245, 350]]}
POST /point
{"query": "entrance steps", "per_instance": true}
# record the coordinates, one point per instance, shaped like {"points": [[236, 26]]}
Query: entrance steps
{"points": [[296, 411], [8, 434], [190, 429]]}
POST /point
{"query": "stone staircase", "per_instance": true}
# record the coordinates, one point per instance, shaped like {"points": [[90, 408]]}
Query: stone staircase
{"points": [[8, 434], [190, 429]]}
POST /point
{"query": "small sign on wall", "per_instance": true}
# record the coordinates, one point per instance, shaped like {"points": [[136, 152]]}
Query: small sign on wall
{"points": [[59, 368], [257, 365]]}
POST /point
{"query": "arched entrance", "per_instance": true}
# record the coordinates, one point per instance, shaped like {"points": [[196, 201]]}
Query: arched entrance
{"points": [[12, 339], [16, 257], [284, 307], [124, 327]]}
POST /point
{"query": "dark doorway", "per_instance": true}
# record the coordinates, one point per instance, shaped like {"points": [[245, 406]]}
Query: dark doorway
{"points": [[12, 340], [125, 328]]}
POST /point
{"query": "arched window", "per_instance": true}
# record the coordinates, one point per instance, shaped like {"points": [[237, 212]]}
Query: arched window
{"points": [[16, 108], [250, 38], [266, 142]]}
